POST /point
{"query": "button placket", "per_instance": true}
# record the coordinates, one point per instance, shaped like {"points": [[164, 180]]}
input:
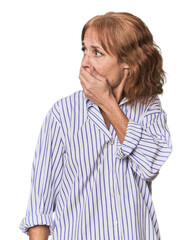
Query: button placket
{"points": [[114, 193], [118, 202]]}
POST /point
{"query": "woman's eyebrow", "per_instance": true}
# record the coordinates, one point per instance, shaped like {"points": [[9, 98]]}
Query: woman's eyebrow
{"points": [[95, 47]]}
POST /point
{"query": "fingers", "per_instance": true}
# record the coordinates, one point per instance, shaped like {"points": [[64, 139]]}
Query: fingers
{"points": [[92, 75], [90, 79], [85, 76], [83, 81], [86, 84], [86, 79]]}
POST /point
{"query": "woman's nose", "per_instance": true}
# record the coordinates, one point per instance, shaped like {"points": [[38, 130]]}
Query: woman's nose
{"points": [[86, 63]]}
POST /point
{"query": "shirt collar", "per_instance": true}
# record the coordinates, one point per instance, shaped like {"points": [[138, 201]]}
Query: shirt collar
{"points": [[89, 103], [123, 101]]}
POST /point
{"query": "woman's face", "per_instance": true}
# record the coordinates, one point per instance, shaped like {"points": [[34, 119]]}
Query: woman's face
{"points": [[96, 58]]}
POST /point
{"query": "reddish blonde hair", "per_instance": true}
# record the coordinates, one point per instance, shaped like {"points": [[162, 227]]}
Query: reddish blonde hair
{"points": [[127, 37]]}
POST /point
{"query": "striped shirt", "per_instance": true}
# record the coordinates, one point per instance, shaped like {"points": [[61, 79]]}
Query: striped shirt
{"points": [[85, 184]]}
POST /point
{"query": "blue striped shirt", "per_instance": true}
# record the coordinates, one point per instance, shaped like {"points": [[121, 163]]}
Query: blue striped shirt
{"points": [[95, 187]]}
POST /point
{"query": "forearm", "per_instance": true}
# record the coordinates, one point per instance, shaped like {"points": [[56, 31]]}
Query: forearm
{"points": [[117, 118], [39, 233]]}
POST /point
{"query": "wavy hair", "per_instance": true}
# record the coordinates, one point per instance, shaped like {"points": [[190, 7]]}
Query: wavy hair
{"points": [[127, 37]]}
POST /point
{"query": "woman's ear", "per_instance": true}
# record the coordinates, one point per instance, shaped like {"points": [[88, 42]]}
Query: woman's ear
{"points": [[126, 67]]}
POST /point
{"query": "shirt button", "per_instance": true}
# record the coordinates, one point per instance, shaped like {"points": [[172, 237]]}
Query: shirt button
{"points": [[113, 195], [115, 223]]}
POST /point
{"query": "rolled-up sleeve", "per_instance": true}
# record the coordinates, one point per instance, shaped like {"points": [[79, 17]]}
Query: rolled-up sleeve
{"points": [[147, 145], [132, 138], [46, 176]]}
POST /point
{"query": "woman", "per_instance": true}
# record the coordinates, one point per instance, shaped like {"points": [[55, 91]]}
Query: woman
{"points": [[99, 149]]}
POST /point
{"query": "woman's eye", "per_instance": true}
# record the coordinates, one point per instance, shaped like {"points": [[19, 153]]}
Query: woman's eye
{"points": [[98, 54], [83, 49]]}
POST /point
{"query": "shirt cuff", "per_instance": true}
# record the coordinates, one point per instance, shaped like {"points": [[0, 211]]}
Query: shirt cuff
{"points": [[132, 138], [35, 220]]}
